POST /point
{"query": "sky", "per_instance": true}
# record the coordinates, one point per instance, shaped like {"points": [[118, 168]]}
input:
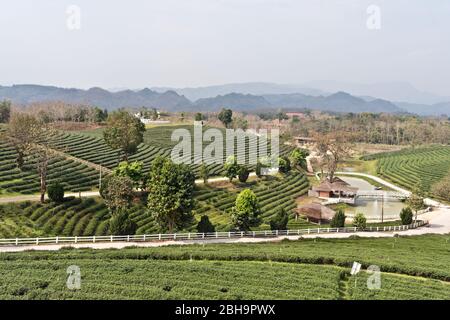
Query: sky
{"points": [[189, 43]]}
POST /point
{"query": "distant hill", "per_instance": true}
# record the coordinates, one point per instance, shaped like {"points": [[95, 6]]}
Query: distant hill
{"points": [[253, 88], [171, 100], [25, 94]]}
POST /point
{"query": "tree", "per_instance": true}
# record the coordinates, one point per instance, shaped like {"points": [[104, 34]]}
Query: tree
{"points": [[246, 210], [56, 192], [226, 117], [406, 215], [240, 123], [243, 173], [117, 192], [133, 170], [416, 199], [359, 221], [333, 148], [231, 168], [5, 111], [258, 169], [284, 165], [442, 188], [171, 188], [121, 224], [204, 225], [23, 132], [124, 132], [198, 116], [298, 158], [280, 221], [204, 173], [338, 220]]}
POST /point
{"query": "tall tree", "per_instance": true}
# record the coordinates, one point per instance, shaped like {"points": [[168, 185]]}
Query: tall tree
{"points": [[124, 132], [416, 199], [246, 210], [23, 131], [171, 188], [5, 111], [226, 117], [333, 148]]}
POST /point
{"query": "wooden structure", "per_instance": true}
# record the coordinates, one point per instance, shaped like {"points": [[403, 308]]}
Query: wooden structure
{"points": [[316, 212], [337, 188]]}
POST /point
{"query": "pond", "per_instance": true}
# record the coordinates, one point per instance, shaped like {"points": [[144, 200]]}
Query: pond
{"points": [[372, 209]]}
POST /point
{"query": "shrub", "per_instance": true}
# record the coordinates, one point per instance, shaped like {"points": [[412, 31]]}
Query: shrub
{"points": [[243, 173], [121, 224], [56, 192], [284, 165], [359, 221], [338, 220], [406, 215], [204, 225], [280, 221]]}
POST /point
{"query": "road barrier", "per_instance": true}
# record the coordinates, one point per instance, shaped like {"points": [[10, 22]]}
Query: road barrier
{"points": [[200, 236]]}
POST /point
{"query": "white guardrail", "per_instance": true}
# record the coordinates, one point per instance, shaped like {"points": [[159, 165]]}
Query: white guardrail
{"points": [[199, 236]]}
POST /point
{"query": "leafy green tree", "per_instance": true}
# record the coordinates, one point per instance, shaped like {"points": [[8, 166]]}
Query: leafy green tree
{"points": [[243, 173], [406, 215], [359, 221], [55, 192], [204, 225], [226, 117], [338, 220], [121, 224], [5, 111], [240, 123], [231, 168], [133, 170], [117, 192], [124, 132], [204, 173], [171, 188], [198, 116], [284, 165], [280, 221], [298, 158], [246, 210]]}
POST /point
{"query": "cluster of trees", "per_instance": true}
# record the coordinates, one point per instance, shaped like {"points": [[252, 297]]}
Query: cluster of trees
{"points": [[378, 128], [62, 112]]}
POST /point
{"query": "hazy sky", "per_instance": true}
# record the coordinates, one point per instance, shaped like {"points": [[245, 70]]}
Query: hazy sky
{"points": [[138, 43]]}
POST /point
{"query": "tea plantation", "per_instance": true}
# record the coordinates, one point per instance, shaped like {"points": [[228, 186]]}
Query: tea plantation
{"points": [[412, 268], [89, 216], [408, 166]]}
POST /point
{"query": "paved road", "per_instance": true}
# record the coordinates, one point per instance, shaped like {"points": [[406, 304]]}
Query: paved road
{"points": [[84, 194]]}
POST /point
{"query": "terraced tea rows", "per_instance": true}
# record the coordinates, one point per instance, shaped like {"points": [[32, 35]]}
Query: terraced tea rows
{"points": [[273, 194], [73, 175], [89, 216], [408, 166], [411, 268]]}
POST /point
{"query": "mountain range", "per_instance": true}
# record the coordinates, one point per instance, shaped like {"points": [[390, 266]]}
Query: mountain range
{"points": [[242, 97]]}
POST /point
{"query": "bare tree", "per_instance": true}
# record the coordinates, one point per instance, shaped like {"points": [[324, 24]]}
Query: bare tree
{"points": [[333, 148]]}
